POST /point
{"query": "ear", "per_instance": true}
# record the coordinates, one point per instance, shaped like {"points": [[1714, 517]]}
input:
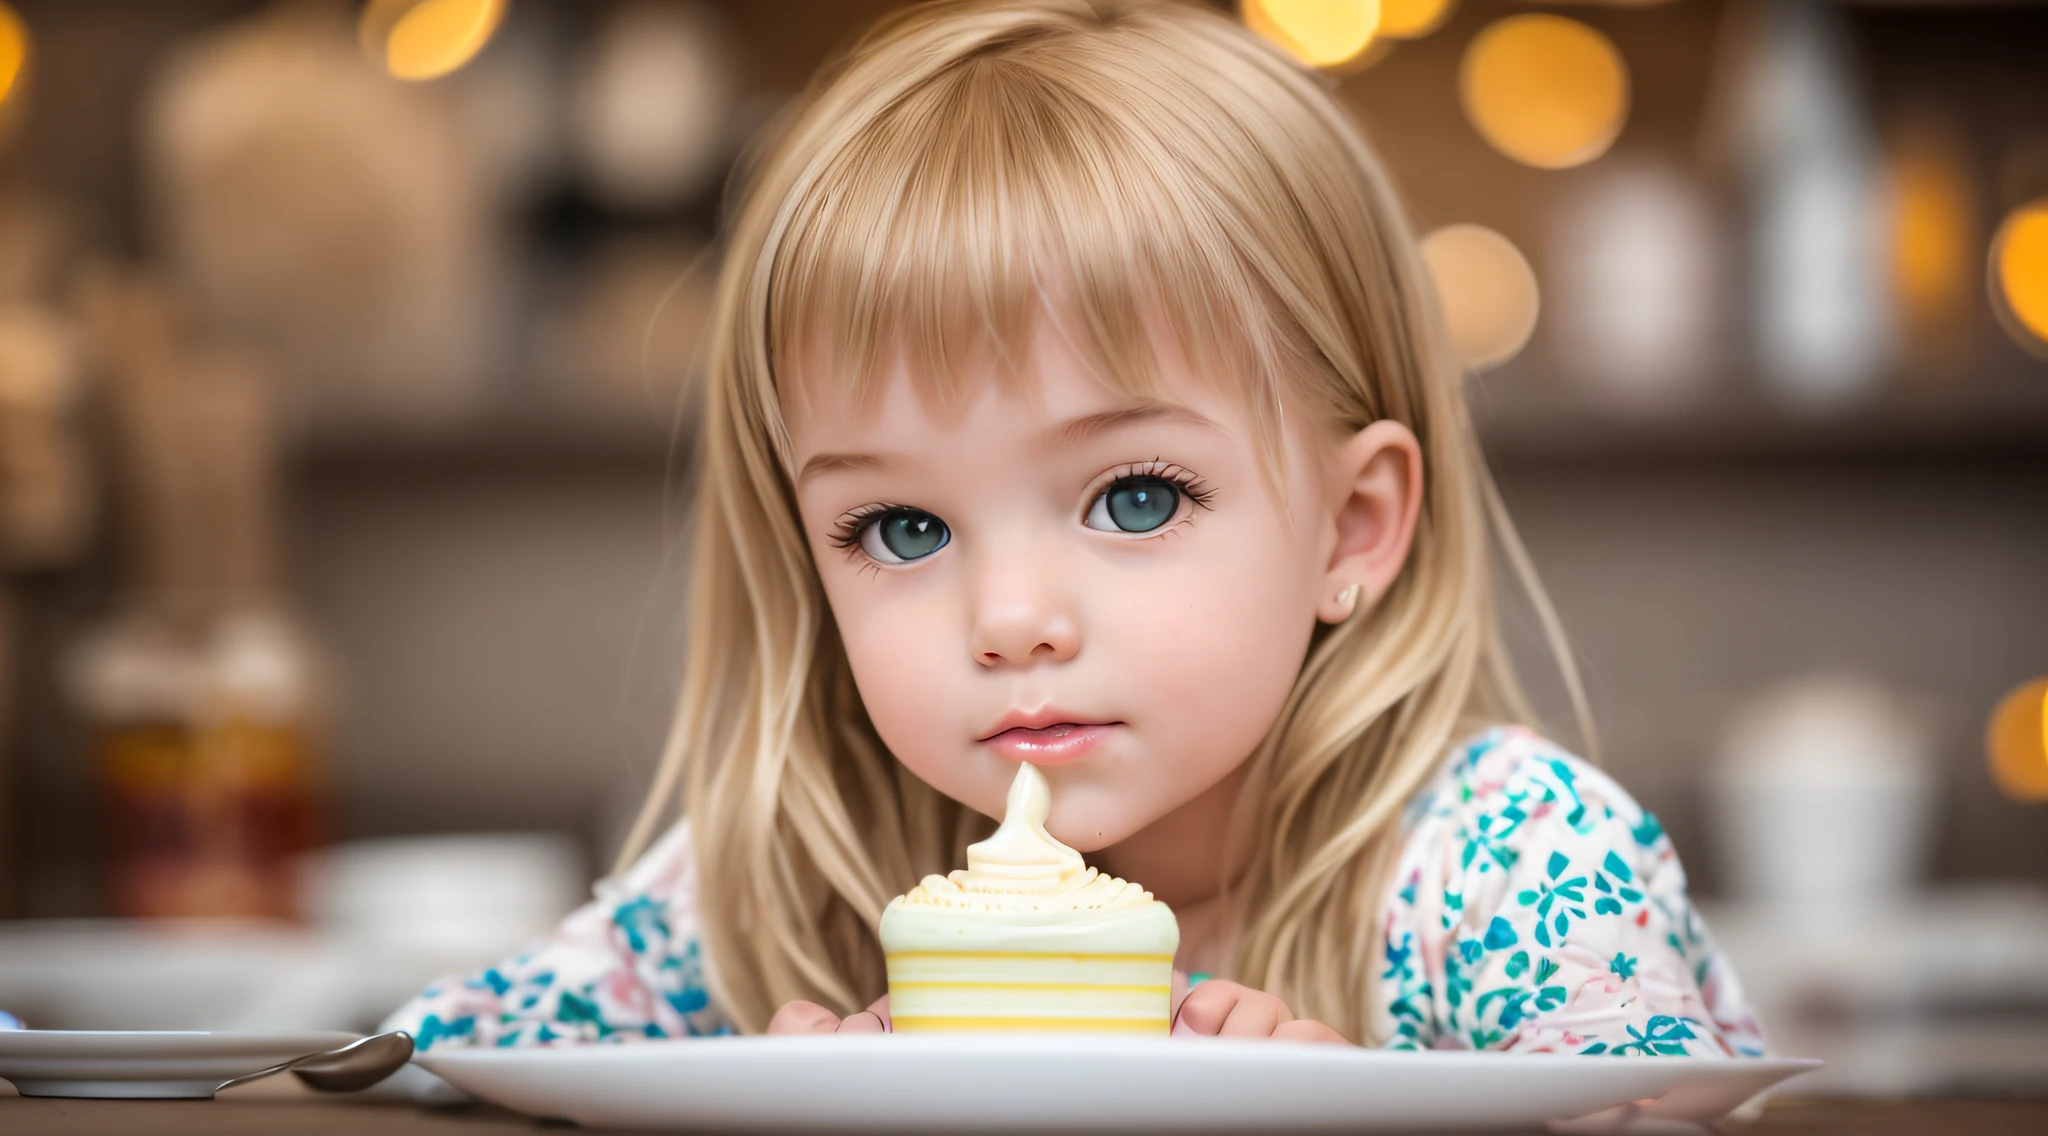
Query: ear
{"points": [[1376, 495]]}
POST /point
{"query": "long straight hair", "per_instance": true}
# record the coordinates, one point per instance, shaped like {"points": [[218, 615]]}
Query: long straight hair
{"points": [[1156, 166]]}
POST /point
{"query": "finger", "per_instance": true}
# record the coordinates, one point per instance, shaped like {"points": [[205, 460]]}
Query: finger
{"points": [[1180, 991], [863, 1022], [1257, 1014], [1207, 1006], [803, 1017], [880, 1009], [1308, 1029]]}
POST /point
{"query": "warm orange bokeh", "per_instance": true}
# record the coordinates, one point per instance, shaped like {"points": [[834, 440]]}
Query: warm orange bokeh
{"points": [[1544, 90], [1413, 19], [1931, 229], [2017, 743], [2019, 273], [1321, 33], [426, 39], [1487, 291], [13, 50]]}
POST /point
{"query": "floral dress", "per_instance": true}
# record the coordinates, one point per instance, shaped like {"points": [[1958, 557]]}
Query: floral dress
{"points": [[1535, 908]]}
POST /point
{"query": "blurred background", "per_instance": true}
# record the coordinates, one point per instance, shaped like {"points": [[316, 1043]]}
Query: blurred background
{"points": [[343, 458]]}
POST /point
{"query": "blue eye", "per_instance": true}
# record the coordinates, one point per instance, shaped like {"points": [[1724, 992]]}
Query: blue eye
{"points": [[900, 536], [1134, 505]]}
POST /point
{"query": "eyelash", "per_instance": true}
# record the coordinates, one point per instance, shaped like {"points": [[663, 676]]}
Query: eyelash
{"points": [[853, 524], [847, 530], [1180, 477]]}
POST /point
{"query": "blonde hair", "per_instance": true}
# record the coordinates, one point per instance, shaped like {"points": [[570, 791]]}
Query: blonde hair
{"points": [[1148, 161]]}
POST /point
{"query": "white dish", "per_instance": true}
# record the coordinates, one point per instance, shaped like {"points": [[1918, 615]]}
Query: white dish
{"points": [[991, 1082], [146, 1063]]}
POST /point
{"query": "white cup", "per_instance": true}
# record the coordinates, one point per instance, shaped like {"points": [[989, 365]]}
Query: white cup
{"points": [[1824, 798]]}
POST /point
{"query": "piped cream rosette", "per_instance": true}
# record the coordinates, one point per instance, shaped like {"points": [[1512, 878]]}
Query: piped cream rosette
{"points": [[1029, 938]]}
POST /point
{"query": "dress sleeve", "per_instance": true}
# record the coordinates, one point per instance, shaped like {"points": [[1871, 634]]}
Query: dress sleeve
{"points": [[624, 967], [1536, 908]]}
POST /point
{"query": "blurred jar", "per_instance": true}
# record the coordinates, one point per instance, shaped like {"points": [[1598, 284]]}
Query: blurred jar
{"points": [[1823, 800], [204, 757]]}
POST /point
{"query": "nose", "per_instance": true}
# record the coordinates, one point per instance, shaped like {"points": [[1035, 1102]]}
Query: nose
{"points": [[1021, 615]]}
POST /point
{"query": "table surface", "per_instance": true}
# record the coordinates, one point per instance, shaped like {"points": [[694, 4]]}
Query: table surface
{"points": [[314, 1116]]}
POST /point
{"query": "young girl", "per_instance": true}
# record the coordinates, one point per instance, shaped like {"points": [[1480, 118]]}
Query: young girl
{"points": [[1075, 396]]}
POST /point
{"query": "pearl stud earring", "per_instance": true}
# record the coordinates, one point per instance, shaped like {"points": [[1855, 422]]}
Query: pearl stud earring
{"points": [[1347, 600]]}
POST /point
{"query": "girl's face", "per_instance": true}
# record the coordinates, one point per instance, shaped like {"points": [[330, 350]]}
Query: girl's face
{"points": [[1106, 586]]}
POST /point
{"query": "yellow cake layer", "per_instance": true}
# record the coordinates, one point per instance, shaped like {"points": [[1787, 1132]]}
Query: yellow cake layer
{"points": [[969, 1024], [1031, 956], [1027, 999], [1076, 970], [1025, 990]]}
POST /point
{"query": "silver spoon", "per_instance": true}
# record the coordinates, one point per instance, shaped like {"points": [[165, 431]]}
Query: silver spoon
{"points": [[357, 1065]]}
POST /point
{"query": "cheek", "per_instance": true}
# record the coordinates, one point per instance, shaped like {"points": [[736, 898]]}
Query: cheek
{"points": [[899, 641], [1217, 642]]}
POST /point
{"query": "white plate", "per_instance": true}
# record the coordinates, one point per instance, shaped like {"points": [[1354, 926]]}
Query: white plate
{"points": [[991, 1082], [146, 1063]]}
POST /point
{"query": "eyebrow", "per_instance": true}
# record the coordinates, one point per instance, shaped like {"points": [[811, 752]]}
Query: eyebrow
{"points": [[1069, 433], [1082, 429], [837, 463]]}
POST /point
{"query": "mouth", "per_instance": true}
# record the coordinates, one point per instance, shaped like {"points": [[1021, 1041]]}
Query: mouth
{"points": [[1048, 742]]}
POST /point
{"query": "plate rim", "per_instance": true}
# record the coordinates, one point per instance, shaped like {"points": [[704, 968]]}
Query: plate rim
{"points": [[1001, 1042], [495, 1074]]}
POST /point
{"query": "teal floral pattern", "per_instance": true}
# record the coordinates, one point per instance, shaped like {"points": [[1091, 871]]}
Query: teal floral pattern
{"points": [[625, 967], [1536, 908]]}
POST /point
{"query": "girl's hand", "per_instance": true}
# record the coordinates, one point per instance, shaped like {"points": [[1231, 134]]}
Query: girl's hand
{"points": [[1217, 1008], [809, 1017]]}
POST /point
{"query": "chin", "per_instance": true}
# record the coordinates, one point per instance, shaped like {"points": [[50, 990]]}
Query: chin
{"points": [[1090, 816], [1084, 836]]}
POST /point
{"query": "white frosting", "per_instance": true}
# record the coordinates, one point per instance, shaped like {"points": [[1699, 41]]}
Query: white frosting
{"points": [[1021, 869]]}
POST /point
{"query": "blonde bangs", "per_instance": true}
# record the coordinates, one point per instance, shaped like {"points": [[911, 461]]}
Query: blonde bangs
{"points": [[1014, 187]]}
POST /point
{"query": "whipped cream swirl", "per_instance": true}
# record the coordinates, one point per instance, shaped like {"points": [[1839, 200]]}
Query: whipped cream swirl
{"points": [[1022, 868]]}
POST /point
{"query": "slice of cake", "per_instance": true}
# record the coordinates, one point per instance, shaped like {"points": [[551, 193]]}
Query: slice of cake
{"points": [[1029, 938]]}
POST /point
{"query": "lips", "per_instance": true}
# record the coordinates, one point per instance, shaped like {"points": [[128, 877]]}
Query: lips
{"points": [[1047, 738]]}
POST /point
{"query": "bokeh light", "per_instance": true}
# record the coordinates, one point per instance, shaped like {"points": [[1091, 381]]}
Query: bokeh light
{"points": [[1931, 223], [1544, 90], [13, 50], [2017, 743], [426, 39], [1321, 33], [1413, 19], [649, 104], [2019, 274], [1487, 291]]}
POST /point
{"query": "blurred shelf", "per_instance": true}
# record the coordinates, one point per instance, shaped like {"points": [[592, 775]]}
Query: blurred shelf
{"points": [[1533, 424], [513, 443], [1524, 423]]}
